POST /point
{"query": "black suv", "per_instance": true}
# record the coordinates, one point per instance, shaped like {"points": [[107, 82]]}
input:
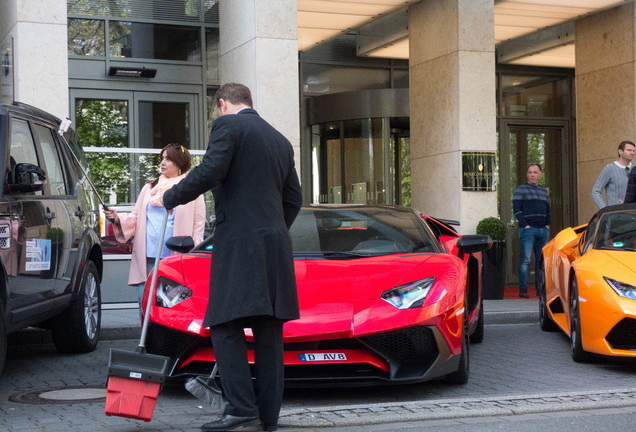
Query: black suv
{"points": [[50, 253]]}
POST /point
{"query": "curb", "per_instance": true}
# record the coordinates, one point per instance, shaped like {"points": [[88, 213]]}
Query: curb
{"points": [[520, 317]]}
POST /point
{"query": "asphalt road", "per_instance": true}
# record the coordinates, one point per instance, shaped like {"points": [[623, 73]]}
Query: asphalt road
{"points": [[519, 374]]}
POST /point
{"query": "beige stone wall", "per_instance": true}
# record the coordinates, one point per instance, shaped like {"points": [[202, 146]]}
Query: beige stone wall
{"points": [[605, 95], [452, 105], [39, 32], [259, 48]]}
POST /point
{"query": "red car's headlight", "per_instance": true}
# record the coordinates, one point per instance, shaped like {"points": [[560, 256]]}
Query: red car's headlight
{"points": [[169, 293], [410, 295], [622, 289]]}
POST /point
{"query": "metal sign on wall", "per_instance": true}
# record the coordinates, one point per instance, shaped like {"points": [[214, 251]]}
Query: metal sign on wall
{"points": [[479, 171]]}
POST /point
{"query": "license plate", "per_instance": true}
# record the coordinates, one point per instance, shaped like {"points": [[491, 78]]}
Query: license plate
{"points": [[323, 357]]}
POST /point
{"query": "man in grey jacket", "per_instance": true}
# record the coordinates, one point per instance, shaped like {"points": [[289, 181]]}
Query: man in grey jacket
{"points": [[613, 177]]}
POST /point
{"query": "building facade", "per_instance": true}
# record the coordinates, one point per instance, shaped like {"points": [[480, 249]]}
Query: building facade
{"points": [[449, 130]]}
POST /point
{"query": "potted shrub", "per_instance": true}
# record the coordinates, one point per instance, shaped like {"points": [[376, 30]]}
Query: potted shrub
{"points": [[56, 235], [493, 277]]}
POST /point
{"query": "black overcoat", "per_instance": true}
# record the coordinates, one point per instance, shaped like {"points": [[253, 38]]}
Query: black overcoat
{"points": [[630, 194], [249, 166]]}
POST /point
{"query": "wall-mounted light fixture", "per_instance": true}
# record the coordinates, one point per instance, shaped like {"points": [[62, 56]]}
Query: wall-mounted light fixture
{"points": [[131, 72]]}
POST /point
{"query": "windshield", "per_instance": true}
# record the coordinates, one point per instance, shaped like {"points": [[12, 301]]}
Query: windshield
{"points": [[617, 230], [359, 232]]}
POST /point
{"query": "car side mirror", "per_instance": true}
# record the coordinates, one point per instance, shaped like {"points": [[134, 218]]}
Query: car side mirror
{"points": [[28, 178], [181, 244], [472, 243], [566, 239]]}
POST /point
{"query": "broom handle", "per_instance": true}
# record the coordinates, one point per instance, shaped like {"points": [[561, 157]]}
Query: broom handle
{"points": [[153, 284], [213, 374]]}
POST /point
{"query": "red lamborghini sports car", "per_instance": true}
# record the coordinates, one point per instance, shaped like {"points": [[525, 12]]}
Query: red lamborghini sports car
{"points": [[386, 295]]}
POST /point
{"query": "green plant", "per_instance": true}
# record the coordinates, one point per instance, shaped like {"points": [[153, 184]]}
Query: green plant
{"points": [[493, 227], [56, 235]]}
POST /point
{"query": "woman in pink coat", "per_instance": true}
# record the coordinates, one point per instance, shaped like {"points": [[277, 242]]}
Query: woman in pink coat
{"points": [[144, 222]]}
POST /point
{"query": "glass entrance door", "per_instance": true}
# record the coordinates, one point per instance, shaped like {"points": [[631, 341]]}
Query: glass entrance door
{"points": [[122, 133], [524, 144]]}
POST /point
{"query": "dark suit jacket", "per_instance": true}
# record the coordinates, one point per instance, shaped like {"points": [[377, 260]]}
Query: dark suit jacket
{"points": [[249, 166], [630, 195]]}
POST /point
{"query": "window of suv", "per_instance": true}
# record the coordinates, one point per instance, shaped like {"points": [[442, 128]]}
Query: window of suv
{"points": [[22, 154], [54, 171]]}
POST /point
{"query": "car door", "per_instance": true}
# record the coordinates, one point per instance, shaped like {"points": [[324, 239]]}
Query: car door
{"points": [[36, 188]]}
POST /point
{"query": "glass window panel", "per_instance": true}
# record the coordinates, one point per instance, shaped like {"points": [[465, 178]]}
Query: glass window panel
{"points": [[543, 146], [155, 41], [22, 151], [86, 37], [402, 150], [22, 146], [212, 74], [334, 165], [104, 123], [162, 123], [400, 78], [54, 173], [362, 144], [535, 96], [317, 195], [213, 112]]}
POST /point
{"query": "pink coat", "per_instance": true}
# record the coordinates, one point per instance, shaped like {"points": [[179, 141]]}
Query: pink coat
{"points": [[189, 220]]}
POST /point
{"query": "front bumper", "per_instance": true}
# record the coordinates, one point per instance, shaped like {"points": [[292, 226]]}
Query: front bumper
{"points": [[412, 354]]}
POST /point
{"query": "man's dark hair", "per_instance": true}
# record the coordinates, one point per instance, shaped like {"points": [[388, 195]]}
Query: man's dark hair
{"points": [[535, 164], [234, 93], [622, 145]]}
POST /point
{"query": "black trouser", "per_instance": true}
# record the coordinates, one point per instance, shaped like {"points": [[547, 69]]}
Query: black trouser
{"points": [[228, 340]]}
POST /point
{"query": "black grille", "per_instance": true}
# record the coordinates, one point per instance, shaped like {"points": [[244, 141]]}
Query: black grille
{"points": [[411, 344], [410, 352], [166, 342], [623, 335]]}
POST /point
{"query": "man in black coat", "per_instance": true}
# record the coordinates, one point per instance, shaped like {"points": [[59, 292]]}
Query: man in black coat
{"points": [[249, 166], [630, 194]]}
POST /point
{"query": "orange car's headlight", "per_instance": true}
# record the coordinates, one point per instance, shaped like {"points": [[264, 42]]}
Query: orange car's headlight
{"points": [[622, 289]]}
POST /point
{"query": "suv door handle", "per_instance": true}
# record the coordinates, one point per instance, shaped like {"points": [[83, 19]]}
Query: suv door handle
{"points": [[79, 213]]}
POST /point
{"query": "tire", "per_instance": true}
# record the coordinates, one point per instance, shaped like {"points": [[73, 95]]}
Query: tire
{"points": [[579, 355], [77, 329], [478, 334], [545, 322], [3, 338], [460, 376]]}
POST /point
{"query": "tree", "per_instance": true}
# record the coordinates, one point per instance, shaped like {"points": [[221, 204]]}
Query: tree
{"points": [[102, 123]]}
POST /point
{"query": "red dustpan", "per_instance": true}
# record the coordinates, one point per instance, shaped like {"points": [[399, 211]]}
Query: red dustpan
{"points": [[135, 377]]}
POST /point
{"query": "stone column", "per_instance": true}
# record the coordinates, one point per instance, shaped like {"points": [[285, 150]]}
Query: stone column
{"points": [[452, 104], [40, 57], [259, 48], [605, 95]]}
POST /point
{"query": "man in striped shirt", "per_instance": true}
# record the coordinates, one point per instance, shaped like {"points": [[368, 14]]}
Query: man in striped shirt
{"points": [[531, 205], [613, 177]]}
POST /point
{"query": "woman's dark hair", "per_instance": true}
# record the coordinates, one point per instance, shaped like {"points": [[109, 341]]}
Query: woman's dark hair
{"points": [[179, 155]]}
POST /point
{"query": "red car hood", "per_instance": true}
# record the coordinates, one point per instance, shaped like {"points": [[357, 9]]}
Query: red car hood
{"points": [[341, 298]]}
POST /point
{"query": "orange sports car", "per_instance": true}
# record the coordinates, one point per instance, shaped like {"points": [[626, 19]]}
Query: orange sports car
{"points": [[588, 288]]}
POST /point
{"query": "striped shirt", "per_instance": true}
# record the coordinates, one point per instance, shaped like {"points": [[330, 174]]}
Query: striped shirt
{"points": [[613, 179], [531, 205]]}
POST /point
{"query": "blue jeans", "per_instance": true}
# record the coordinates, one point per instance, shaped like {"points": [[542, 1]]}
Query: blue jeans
{"points": [[531, 239]]}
